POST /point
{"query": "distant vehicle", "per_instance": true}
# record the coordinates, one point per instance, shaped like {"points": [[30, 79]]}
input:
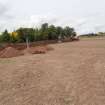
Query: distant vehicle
{"points": [[76, 38]]}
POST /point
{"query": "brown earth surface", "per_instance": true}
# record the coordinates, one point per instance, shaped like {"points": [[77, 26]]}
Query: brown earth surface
{"points": [[10, 52], [72, 74]]}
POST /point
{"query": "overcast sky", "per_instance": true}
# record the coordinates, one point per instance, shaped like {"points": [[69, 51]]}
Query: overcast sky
{"points": [[84, 15]]}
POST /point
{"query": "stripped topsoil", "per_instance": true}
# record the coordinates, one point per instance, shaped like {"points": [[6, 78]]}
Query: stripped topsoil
{"points": [[71, 74]]}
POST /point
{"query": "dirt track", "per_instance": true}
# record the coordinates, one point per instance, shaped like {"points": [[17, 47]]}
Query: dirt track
{"points": [[72, 74]]}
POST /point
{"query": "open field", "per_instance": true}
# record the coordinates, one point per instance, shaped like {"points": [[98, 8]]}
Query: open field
{"points": [[72, 74], [91, 37]]}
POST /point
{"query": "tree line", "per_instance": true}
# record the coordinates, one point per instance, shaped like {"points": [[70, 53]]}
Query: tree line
{"points": [[45, 32]]}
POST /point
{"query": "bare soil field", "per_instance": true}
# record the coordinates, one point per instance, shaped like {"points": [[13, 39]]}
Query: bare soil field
{"points": [[72, 74]]}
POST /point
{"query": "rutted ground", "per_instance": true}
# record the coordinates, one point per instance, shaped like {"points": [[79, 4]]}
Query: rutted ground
{"points": [[72, 74]]}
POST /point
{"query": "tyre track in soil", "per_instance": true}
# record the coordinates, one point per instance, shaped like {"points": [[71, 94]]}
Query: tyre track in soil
{"points": [[90, 87]]}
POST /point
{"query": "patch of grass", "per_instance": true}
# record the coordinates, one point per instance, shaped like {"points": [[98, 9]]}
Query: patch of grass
{"points": [[6, 61], [91, 37]]}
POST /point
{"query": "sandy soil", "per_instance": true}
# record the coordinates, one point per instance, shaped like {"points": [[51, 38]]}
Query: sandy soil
{"points": [[72, 74]]}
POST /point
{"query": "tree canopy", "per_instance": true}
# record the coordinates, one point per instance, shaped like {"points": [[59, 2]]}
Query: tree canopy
{"points": [[45, 32]]}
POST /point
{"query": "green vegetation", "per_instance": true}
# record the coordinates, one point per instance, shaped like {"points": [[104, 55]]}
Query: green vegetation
{"points": [[46, 32]]}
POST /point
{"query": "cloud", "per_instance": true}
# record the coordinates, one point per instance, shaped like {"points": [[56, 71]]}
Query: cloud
{"points": [[39, 19], [80, 24], [5, 16], [86, 24], [3, 9], [82, 15], [34, 20]]}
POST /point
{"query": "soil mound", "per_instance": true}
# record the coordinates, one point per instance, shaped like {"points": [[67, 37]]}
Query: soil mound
{"points": [[10, 52], [35, 50]]}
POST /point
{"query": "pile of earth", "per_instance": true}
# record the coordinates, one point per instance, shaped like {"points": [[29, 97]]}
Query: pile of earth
{"points": [[10, 52], [37, 50]]}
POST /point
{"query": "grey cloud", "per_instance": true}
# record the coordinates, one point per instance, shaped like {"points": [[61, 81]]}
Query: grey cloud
{"points": [[3, 9], [5, 16], [5, 12], [99, 28]]}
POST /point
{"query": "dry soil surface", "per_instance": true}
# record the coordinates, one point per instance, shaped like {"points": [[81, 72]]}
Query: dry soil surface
{"points": [[72, 74]]}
